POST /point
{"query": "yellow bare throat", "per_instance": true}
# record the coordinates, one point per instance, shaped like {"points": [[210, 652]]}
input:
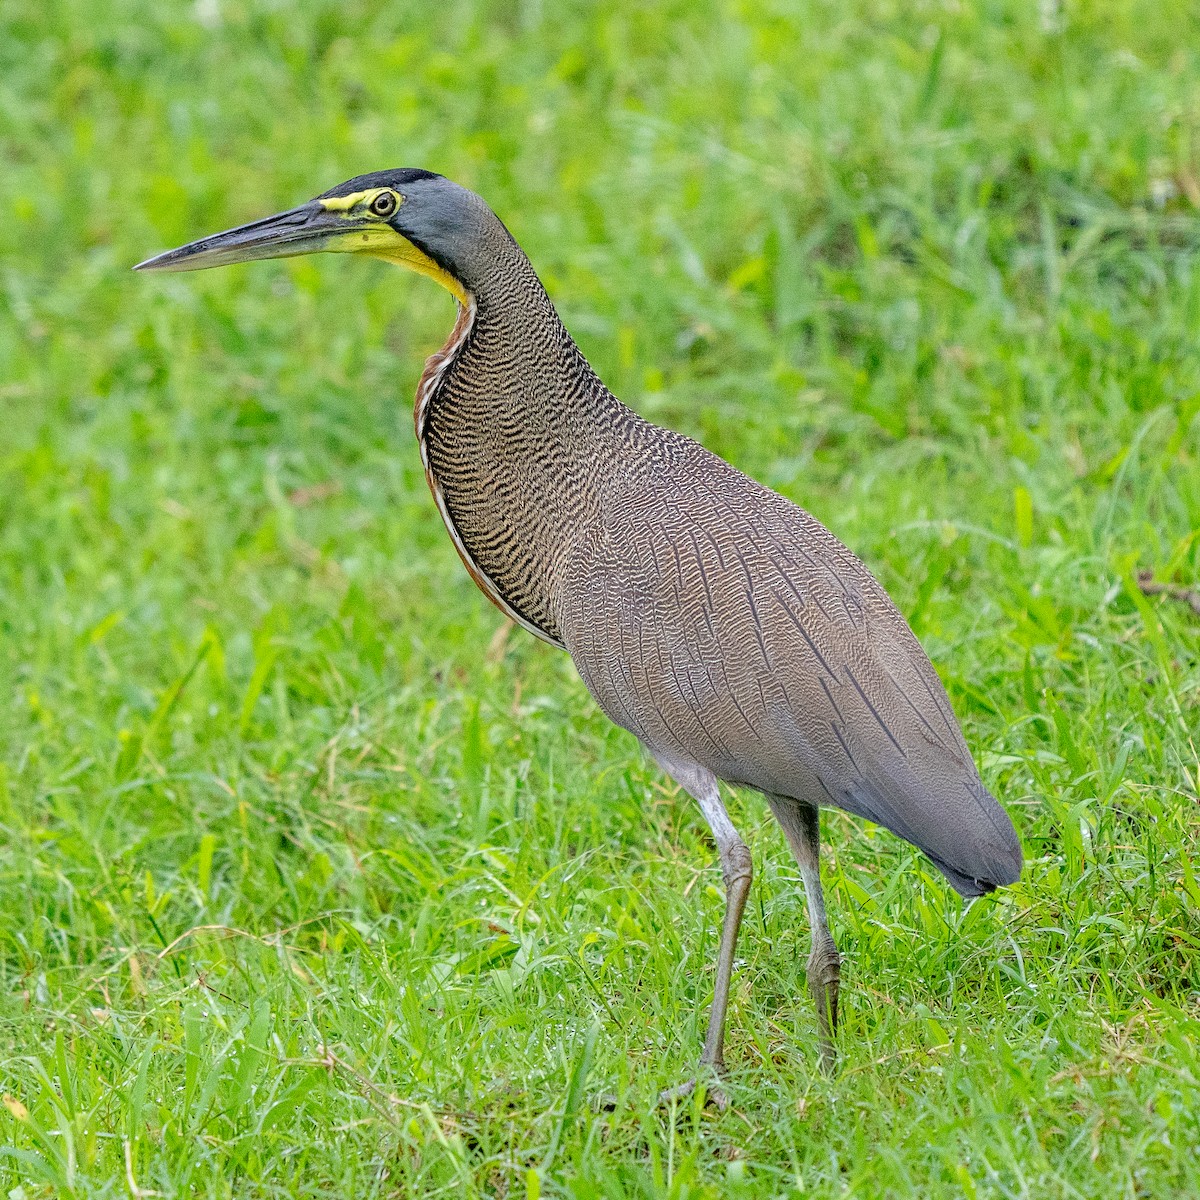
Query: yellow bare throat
{"points": [[382, 241]]}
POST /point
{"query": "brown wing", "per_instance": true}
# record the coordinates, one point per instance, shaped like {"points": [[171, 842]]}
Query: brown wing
{"points": [[720, 623]]}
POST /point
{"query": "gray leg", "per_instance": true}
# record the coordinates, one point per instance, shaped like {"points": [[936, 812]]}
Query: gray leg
{"points": [[738, 871], [802, 826]]}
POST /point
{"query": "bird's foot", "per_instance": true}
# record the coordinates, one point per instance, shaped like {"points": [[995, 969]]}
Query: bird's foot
{"points": [[715, 1094], [827, 1001], [829, 1055]]}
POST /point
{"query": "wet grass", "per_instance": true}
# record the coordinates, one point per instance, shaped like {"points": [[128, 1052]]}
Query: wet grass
{"points": [[316, 880]]}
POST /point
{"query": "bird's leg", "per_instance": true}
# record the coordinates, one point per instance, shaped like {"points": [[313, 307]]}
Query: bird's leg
{"points": [[737, 869], [738, 872], [802, 826]]}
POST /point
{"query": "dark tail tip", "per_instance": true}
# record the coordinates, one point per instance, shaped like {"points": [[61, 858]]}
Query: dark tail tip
{"points": [[1001, 871]]}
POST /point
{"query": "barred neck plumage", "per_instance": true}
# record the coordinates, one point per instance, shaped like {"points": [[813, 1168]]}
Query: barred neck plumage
{"points": [[515, 428]]}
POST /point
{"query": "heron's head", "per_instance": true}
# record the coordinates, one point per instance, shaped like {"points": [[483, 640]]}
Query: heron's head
{"points": [[408, 216]]}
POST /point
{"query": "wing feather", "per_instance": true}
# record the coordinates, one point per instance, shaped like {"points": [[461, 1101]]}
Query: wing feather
{"points": [[724, 625]]}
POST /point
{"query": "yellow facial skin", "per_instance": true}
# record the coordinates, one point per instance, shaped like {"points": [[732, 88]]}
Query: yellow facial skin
{"points": [[380, 240]]}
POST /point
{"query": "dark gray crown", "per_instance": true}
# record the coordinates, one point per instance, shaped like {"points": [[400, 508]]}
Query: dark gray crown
{"points": [[397, 178]]}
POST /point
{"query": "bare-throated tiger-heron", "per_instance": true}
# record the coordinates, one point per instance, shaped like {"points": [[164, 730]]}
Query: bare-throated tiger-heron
{"points": [[723, 626]]}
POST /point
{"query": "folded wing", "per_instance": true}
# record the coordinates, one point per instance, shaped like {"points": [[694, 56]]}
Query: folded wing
{"points": [[724, 625]]}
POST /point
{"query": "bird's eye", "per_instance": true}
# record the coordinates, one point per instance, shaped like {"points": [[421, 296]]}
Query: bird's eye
{"points": [[384, 204]]}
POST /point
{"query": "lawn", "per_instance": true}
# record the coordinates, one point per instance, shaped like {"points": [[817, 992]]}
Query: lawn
{"points": [[317, 878]]}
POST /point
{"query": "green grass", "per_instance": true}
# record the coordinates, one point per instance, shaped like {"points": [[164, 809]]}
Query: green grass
{"points": [[314, 881]]}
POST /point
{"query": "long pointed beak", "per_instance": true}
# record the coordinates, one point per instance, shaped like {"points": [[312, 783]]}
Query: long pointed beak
{"points": [[302, 230]]}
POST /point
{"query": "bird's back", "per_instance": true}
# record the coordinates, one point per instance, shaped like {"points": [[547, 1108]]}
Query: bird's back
{"points": [[723, 625]]}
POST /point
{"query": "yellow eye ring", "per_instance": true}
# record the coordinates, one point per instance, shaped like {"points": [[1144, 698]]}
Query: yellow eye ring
{"points": [[384, 204]]}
